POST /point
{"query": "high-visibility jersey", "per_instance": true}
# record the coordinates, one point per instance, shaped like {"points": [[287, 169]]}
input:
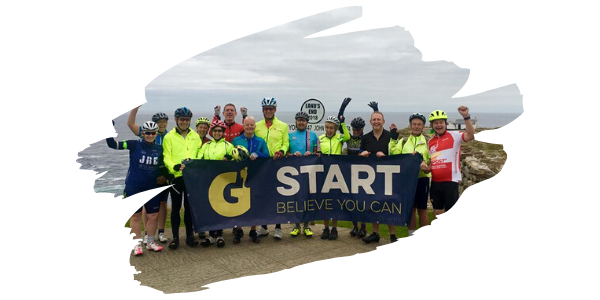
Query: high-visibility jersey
{"points": [[302, 141], [215, 150], [176, 148], [276, 136], [445, 156], [410, 144], [334, 144]]}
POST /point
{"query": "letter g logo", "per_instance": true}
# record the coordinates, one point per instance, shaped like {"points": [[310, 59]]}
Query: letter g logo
{"points": [[218, 202]]}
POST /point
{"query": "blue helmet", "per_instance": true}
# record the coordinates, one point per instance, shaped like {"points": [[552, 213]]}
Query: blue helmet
{"points": [[183, 112], [269, 102]]}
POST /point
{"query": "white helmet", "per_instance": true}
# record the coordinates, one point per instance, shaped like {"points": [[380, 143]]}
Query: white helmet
{"points": [[334, 120], [268, 101], [149, 126]]}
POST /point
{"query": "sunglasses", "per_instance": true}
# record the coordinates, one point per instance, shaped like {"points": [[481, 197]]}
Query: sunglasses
{"points": [[182, 119], [268, 108], [150, 133], [217, 130]]}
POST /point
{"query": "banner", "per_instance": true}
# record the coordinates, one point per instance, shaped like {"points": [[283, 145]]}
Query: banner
{"points": [[224, 194]]}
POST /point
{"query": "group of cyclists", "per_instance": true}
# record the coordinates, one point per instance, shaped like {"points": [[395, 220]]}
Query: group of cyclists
{"points": [[158, 158]]}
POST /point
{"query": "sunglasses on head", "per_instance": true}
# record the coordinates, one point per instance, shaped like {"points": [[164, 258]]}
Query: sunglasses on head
{"points": [[150, 133]]}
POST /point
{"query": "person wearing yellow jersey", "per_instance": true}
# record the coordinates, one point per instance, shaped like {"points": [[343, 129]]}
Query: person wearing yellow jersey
{"points": [[179, 144], [216, 149], [413, 144], [331, 144], [275, 133]]}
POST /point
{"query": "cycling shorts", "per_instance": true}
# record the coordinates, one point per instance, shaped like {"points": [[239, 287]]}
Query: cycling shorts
{"points": [[422, 193], [444, 194], [152, 206]]}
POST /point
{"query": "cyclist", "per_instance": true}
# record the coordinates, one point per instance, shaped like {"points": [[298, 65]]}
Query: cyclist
{"points": [[145, 162], [444, 149], [331, 144], [275, 134], [232, 129], [179, 144], [217, 149], [377, 143], [413, 144], [202, 127], [161, 119], [353, 148], [256, 147], [303, 142]]}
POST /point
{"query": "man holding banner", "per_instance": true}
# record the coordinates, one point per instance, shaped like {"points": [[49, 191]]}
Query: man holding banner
{"points": [[275, 134], [376, 143]]}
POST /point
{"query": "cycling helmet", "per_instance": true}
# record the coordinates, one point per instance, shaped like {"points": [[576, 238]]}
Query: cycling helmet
{"points": [[437, 115], [358, 123], [334, 120], [242, 153], [158, 116], [417, 115], [149, 126], [203, 120], [268, 102], [217, 123], [183, 112], [301, 115]]}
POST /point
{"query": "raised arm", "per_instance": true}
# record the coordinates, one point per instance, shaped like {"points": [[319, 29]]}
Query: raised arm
{"points": [[469, 135], [135, 128]]}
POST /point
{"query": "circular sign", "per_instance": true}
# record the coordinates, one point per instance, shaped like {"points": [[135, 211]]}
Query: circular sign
{"points": [[315, 110]]}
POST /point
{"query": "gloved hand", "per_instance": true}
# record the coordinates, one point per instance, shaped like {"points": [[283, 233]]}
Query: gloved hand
{"points": [[218, 111], [177, 167], [244, 111], [374, 105], [343, 106]]}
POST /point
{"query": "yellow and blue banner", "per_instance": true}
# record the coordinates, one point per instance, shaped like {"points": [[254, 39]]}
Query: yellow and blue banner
{"points": [[224, 194]]}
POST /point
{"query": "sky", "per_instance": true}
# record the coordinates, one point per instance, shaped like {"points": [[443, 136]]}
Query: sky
{"points": [[381, 65]]}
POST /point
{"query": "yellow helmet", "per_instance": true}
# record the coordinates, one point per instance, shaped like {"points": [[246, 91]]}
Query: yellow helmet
{"points": [[203, 120], [437, 115]]}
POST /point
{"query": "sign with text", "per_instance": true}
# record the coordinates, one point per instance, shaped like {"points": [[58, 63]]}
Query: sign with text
{"points": [[296, 189]]}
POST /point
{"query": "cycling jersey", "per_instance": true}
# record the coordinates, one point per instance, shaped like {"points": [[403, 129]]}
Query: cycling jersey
{"points": [[232, 130], [410, 144], [445, 156], [145, 161], [176, 148], [302, 141], [253, 145], [334, 144], [216, 150], [276, 136], [353, 145]]}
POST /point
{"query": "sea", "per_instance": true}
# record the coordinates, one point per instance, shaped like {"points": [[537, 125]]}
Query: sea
{"points": [[114, 163]]}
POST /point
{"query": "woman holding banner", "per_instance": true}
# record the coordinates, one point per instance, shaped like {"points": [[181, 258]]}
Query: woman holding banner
{"points": [[217, 149], [331, 144]]}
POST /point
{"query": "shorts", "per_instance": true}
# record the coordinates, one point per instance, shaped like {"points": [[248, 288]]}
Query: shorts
{"points": [[422, 193], [164, 195], [444, 194], [152, 206]]}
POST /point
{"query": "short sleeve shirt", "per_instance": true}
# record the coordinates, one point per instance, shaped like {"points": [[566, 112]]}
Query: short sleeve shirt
{"points": [[445, 156]]}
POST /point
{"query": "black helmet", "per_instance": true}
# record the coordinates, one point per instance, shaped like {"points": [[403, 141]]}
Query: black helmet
{"points": [[183, 112], [301, 115], [417, 115], [158, 116], [358, 123]]}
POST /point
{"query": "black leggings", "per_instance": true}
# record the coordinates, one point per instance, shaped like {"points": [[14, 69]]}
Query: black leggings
{"points": [[176, 200]]}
